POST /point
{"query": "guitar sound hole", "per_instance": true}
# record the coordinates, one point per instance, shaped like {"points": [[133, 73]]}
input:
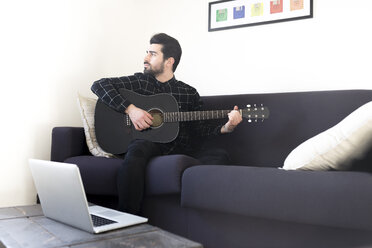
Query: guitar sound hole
{"points": [[158, 118]]}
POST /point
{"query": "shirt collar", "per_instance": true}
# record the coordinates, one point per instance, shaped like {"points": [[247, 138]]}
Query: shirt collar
{"points": [[170, 81]]}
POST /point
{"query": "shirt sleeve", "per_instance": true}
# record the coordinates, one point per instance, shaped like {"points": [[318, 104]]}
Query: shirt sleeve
{"points": [[107, 89]]}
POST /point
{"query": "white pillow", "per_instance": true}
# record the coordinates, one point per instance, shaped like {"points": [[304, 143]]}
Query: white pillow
{"points": [[87, 108], [337, 147]]}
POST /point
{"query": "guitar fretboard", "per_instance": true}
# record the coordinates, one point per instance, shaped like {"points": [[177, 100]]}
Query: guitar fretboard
{"points": [[194, 115]]}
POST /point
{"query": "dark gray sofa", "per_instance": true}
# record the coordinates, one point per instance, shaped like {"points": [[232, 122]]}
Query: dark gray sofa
{"points": [[249, 203]]}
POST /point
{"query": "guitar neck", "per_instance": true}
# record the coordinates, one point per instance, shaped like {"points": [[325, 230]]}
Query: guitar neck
{"points": [[195, 115]]}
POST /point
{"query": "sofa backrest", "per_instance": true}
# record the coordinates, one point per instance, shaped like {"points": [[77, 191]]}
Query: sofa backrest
{"points": [[294, 117]]}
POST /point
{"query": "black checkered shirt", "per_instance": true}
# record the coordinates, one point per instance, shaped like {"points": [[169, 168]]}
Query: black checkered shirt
{"points": [[187, 97]]}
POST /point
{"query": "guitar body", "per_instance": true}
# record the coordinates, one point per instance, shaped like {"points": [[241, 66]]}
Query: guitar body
{"points": [[114, 130]]}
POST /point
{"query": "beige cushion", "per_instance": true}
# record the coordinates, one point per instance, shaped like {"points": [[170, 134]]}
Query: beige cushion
{"points": [[87, 107], [337, 147]]}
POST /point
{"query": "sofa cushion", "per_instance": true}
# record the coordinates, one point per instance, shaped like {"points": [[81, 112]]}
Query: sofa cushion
{"points": [[163, 173], [294, 118], [87, 108], [337, 147], [334, 198]]}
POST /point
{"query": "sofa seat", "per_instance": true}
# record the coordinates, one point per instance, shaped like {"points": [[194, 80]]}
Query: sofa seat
{"points": [[97, 173], [333, 198]]}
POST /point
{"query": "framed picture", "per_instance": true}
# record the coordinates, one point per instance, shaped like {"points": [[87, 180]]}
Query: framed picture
{"points": [[228, 14]]}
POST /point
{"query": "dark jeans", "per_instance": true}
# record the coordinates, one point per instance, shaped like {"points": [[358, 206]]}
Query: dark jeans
{"points": [[131, 175]]}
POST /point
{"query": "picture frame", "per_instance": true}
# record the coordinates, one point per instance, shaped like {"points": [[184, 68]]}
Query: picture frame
{"points": [[228, 14]]}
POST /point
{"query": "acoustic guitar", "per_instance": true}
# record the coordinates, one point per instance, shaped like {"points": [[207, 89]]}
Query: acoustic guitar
{"points": [[114, 130]]}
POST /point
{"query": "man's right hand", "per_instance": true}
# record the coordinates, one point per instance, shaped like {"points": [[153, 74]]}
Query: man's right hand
{"points": [[139, 117]]}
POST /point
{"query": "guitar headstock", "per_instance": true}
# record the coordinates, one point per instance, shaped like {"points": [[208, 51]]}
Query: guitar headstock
{"points": [[255, 112]]}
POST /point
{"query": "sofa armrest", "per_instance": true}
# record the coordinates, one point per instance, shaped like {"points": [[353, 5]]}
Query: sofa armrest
{"points": [[68, 142], [338, 199], [164, 173]]}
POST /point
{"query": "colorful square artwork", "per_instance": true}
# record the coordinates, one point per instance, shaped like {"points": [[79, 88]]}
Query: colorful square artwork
{"points": [[221, 15], [297, 4], [257, 9], [276, 6], [239, 12], [227, 14]]}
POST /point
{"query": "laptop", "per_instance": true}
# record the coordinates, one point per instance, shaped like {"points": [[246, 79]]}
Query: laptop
{"points": [[63, 199]]}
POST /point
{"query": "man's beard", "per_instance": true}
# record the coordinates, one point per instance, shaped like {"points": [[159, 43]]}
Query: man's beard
{"points": [[154, 72]]}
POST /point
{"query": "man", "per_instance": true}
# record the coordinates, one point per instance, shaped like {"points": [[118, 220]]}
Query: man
{"points": [[160, 63]]}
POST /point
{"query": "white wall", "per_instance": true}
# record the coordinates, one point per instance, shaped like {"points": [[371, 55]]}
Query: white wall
{"points": [[330, 51], [52, 49]]}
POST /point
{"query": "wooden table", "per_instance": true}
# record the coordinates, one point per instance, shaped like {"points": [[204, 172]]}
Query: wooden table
{"points": [[27, 227]]}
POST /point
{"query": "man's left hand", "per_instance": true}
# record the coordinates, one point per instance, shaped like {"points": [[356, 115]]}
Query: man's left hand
{"points": [[234, 119]]}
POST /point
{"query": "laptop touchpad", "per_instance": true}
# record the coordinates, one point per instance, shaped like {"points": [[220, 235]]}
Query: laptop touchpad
{"points": [[109, 213]]}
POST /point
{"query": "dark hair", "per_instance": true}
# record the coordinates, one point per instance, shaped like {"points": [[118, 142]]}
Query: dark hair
{"points": [[171, 47]]}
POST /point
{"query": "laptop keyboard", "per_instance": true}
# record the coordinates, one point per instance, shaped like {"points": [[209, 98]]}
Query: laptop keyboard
{"points": [[100, 221]]}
